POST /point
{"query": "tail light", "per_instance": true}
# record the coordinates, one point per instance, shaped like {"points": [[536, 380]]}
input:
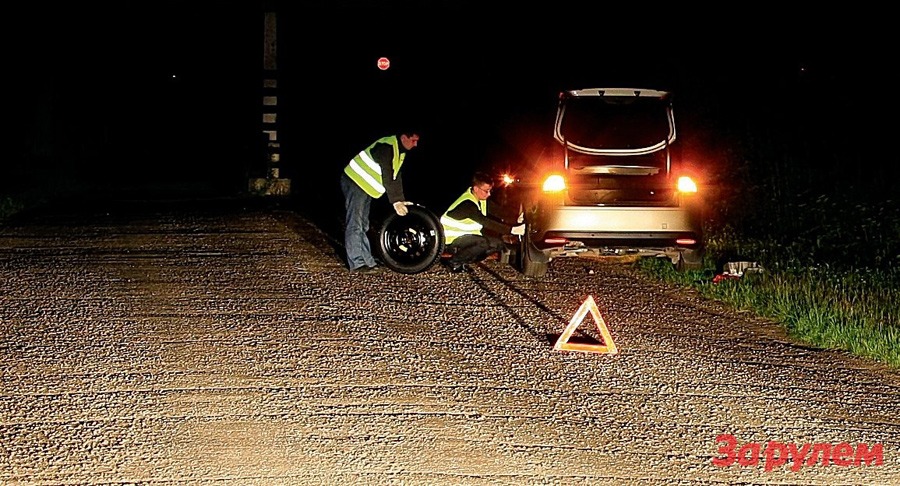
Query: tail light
{"points": [[686, 185], [554, 183]]}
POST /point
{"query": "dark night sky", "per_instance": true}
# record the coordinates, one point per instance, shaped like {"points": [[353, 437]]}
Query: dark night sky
{"points": [[174, 92]]}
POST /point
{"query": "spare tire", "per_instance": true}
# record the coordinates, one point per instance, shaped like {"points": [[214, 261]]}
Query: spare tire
{"points": [[411, 243]]}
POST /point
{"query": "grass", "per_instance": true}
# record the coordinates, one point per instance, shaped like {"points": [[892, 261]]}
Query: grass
{"points": [[10, 206], [834, 288], [818, 213]]}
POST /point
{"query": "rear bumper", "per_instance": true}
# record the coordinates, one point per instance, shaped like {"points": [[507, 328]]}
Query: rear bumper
{"points": [[571, 230]]}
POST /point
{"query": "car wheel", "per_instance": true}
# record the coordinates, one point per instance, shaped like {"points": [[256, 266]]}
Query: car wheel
{"points": [[411, 243], [532, 261]]}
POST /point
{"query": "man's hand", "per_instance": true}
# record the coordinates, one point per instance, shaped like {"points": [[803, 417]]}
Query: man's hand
{"points": [[518, 230], [400, 207]]}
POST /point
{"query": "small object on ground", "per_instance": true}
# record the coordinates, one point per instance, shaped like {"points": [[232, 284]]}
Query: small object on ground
{"points": [[736, 270]]}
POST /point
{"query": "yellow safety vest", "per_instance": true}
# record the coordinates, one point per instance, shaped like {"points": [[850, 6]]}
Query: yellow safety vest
{"points": [[454, 228], [366, 172]]}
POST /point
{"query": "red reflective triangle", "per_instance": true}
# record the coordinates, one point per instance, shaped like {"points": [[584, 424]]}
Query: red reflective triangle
{"points": [[608, 346]]}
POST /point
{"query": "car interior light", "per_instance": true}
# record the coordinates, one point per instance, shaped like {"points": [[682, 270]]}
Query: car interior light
{"points": [[686, 241]]}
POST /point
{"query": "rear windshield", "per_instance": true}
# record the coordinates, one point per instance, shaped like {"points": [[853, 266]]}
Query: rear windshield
{"points": [[615, 122]]}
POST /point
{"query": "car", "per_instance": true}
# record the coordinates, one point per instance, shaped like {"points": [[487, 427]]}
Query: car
{"points": [[611, 183]]}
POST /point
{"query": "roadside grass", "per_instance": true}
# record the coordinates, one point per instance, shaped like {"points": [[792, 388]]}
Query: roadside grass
{"points": [[836, 286], [27, 191], [10, 206]]}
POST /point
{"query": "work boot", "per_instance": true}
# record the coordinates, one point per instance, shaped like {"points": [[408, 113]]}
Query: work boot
{"points": [[372, 269], [455, 267]]}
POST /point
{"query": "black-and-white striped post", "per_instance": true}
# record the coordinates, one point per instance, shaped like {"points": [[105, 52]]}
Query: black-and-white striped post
{"points": [[272, 183]]}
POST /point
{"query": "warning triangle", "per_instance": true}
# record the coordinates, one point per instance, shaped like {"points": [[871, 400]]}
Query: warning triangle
{"points": [[608, 346]]}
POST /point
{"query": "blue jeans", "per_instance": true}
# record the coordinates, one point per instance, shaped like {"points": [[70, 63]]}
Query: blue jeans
{"points": [[356, 225]]}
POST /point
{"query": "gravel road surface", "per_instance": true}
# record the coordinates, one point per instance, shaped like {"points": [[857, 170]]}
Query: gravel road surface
{"points": [[225, 343]]}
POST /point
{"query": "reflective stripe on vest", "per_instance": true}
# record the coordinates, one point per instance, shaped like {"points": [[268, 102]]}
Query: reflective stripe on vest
{"points": [[365, 171], [454, 228]]}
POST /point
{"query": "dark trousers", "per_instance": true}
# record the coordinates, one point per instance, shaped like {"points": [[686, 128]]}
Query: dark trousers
{"points": [[473, 248]]}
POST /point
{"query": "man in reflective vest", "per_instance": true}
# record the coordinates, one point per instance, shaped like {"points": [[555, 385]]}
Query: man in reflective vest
{"points": [[471, 235], [369, 175]]}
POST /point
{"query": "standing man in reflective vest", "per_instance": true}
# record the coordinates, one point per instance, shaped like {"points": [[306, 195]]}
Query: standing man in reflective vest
{"points": [[370, 174], [471, 235]]}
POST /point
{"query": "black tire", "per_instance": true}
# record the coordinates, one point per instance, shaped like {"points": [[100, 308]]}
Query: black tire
{"points": [[532, 261], [412, 243]]}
